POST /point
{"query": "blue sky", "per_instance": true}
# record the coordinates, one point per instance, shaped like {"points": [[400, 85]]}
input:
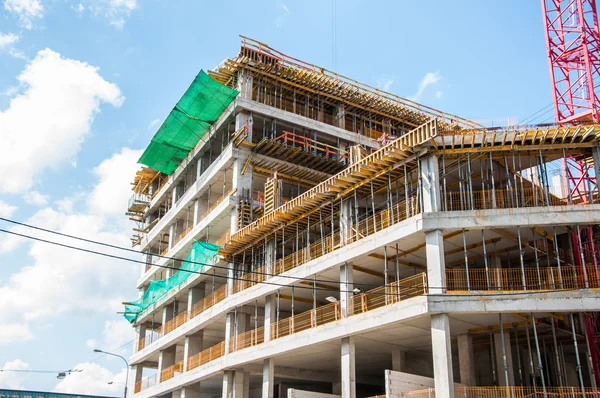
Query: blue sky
{"points": [[83, 86]]}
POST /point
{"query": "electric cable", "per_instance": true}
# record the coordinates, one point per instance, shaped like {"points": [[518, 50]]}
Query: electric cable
{"points": [[266, 274], [274, 283]]}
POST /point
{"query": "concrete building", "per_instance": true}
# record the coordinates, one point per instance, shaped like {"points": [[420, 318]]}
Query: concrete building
{"points": [[368, 245]]}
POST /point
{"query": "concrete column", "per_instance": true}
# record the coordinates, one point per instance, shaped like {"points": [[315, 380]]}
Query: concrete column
{"points": [[172, 231], [270, 314], [193, 345], [500, 360], [436, 266], [341, 115], [190, 392], [430, 184], [228, 377], [199, 168], [239, 384], [346, 286], [442, 356], [245, 81], [168, 312], [138, 373], [466, 359], [174, 194], [270, 258], [196, 211], [229, 330], [346, 221], [397, 360], [268, 384], [241, 182], [195, 294], [166, 358], [242, 119], [140, 333], [230, 278], [348, 367]]}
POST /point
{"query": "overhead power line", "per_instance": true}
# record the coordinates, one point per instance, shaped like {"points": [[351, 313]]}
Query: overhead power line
{"points": [[95, 242], [312, 288]]}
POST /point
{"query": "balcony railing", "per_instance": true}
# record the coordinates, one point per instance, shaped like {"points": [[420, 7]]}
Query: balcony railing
{"points": [[500, 198], [511, 392], [376, 298], [517, 279], [171, 371], [145, 383], [359, 303], [210, 354]]}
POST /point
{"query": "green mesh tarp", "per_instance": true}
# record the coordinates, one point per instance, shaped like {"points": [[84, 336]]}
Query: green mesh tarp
{"points": [[201, 105], [201, 254]]}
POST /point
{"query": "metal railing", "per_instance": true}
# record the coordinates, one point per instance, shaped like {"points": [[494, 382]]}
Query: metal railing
{"points": [[145, 383], [517, 279], [210, 354], [500, 198], [511, 392], [359, 303], [171, 371]]}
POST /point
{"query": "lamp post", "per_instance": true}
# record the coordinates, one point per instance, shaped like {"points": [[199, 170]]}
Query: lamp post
{"points": [[126, 371]]}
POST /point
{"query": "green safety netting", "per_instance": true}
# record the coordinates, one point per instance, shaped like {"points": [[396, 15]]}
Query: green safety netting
{"points": [[200, 255], [201, 105]]}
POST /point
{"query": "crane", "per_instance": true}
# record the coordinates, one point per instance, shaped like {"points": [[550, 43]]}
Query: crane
{"points": [[573, 46]]}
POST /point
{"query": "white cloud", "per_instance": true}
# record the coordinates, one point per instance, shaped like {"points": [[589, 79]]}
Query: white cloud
{"points": [[385, 83], [27, 11], [154, 123], [115, 11], [113, 190], [282, 13], [117, 333], [429, 79], [8, 39], [45, 125], [6, 210], [92, 380], [14, 331], [79, 8], [7, 44], [91, 343], [45, 287], [438, 94], [35, 198], [13, 380]]}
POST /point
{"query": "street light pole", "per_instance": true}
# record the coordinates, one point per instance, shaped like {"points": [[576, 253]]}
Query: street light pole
{"points": [[126, 370]]}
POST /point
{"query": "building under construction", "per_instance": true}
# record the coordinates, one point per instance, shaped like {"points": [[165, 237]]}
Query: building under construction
{"points": [[306, 235]]}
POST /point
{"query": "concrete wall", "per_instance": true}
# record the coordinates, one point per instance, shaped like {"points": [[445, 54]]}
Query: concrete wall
{"points": [[398, 383], [293, 393]]}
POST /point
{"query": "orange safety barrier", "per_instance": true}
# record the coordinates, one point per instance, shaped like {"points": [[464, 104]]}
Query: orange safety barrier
{"points": [[511, 279], [141, 343], [171, 371], [511, 392], [206, 356], [385, 295], [247, 339], [183, 234], [174, 323]]}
